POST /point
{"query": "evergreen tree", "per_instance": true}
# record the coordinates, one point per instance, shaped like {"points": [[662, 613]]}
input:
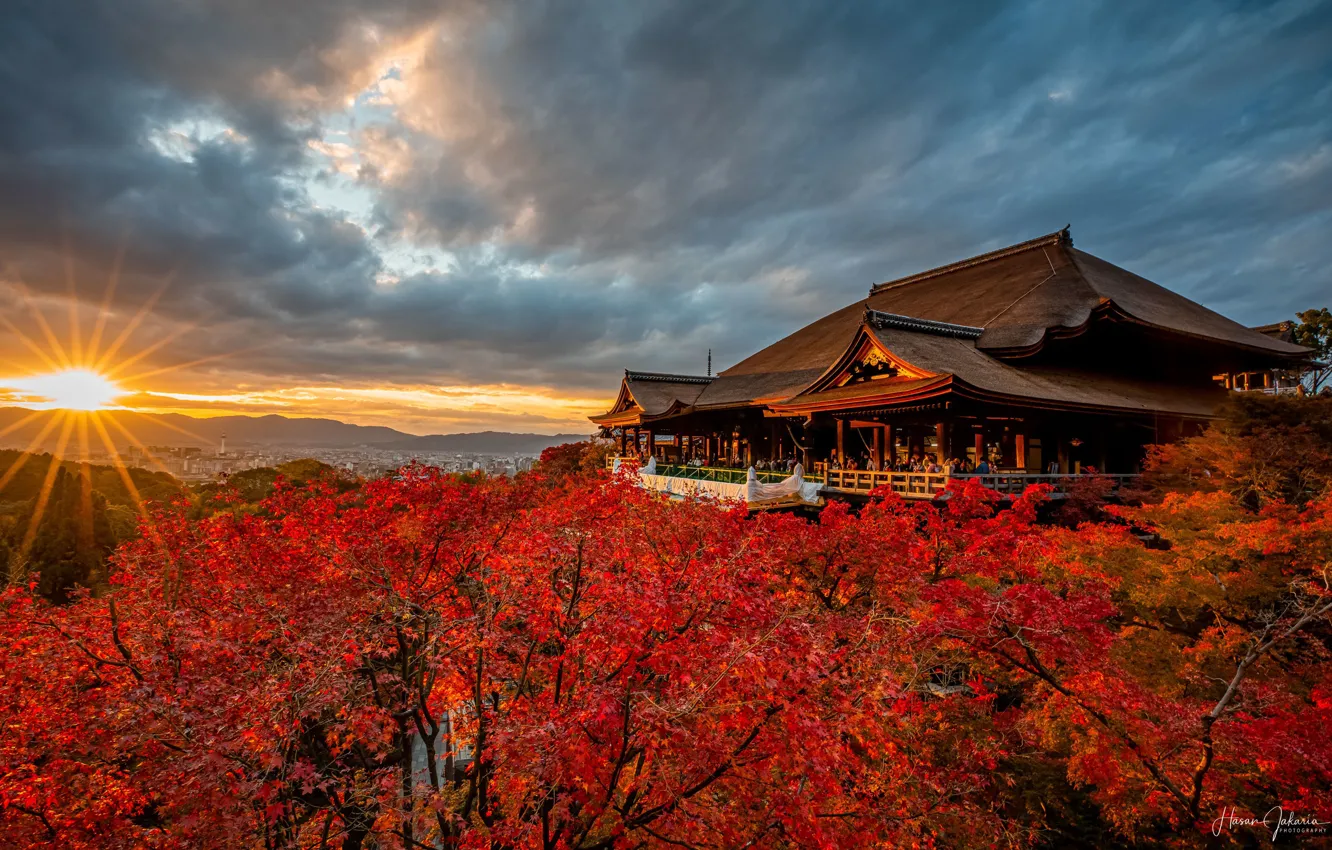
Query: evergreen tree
{"points": [[71, 541]]}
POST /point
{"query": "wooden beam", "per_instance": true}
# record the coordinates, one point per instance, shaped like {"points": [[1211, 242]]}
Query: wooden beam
{"points": [[841, 440], [1020, 447], [941, 442], [890, 438], [877, 449]]}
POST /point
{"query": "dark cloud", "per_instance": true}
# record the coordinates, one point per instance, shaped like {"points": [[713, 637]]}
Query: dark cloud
{"points": [[544, 193]]}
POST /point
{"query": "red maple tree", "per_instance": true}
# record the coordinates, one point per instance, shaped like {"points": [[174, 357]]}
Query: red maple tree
{"points": [[571, 662]]}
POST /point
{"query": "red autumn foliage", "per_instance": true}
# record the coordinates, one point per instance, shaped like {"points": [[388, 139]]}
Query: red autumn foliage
{"points": [[566, 661]]}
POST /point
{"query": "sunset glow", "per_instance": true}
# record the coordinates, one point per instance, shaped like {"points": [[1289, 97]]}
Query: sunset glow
{"points": [[70, 389]]}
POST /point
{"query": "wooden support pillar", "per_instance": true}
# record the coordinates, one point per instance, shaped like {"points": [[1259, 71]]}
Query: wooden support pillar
{"points": [[624, 441], [1020, 450], [651, 442], [638, 440], [775, 448], [841, 441], [890, 438], [941, 442], [980, 444], [877, 450]]}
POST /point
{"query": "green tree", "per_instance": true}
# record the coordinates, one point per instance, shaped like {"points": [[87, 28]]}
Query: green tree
{"points": [[65, 542], [255, 485], [1315, 331]]}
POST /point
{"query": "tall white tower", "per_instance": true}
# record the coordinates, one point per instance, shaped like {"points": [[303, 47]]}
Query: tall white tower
{"points": [[222, 449]]}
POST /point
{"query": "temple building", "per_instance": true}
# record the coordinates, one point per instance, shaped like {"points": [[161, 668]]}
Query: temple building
{"points": [[1038, 359]]}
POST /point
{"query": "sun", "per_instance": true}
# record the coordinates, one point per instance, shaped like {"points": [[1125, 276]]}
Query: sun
{"points": [[71, 389]]}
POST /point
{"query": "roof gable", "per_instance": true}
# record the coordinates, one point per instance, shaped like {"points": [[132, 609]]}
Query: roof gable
{"points": [[867, 360], [650, 394], [1021, 294]]}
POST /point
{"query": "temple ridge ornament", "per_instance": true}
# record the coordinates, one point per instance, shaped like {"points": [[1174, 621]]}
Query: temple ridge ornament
{"points": [[872, 365]]}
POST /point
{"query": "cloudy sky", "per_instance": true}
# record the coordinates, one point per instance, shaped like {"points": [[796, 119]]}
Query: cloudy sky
{"points": [[452, 216]]}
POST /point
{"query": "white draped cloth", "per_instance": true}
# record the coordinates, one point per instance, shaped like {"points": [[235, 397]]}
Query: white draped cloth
{"points": [[750, 491], [793, 485]]}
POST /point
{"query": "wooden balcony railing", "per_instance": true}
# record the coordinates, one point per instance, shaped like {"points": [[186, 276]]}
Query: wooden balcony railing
{"points": [[918, 485], [910, 485]]}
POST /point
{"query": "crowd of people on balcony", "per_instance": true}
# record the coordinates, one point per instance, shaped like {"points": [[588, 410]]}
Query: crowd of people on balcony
{"points": [[915, 463]]}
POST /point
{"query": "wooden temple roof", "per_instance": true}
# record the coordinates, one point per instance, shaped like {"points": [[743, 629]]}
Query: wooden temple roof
{"points": [[646, 395], [933, 363], [1284, 331], [968, 320]]}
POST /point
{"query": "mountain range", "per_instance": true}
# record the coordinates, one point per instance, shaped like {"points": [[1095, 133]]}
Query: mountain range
{"points": [[21, 426]]}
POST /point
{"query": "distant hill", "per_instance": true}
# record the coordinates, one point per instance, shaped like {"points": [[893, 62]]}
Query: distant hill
{"points": [[498, 442], [174, 429]]}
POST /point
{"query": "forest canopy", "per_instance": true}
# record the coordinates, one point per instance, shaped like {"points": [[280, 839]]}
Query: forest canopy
{"points": [[564, 660]]}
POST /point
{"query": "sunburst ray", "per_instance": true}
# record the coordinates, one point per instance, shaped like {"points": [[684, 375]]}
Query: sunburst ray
{"points": [[61, 356], [71, 288], [28, 453], [30, 345], [179, 430], [190, 363], [119, 463], [44, 495], [140, 446], [99, 326], [176, 334], [133, 323], [14, 426]]}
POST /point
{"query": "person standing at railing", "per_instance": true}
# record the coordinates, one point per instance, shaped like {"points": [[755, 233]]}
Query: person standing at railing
{"points": [[983, 468]]}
